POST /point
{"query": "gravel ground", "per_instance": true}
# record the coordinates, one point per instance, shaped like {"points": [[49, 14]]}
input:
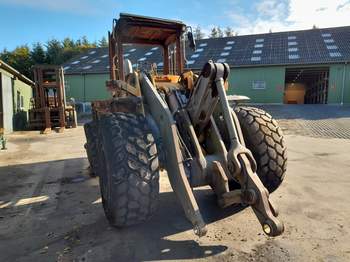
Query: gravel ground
{"points": [[50, 209]]}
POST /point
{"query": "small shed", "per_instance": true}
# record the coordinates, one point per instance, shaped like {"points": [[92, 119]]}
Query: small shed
{"points": [[15, 98]]}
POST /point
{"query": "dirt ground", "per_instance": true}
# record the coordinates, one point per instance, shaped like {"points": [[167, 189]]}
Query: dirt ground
{"points": [[50, 210]]}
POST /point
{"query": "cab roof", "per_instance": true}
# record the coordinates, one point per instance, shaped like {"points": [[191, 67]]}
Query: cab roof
{"points": [[138, 29]]}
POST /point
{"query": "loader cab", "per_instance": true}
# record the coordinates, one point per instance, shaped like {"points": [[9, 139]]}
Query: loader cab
{"points": [[169, 35]]}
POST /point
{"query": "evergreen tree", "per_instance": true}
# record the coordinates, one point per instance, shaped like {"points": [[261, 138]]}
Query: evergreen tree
{"points": [[229, 32], [103, 42], [214, 32], [220, 33], [37, 54], [54, 52], [198, 34]]}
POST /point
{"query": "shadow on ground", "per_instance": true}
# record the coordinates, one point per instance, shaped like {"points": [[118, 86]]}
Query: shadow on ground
{"points": [[75, 226]]}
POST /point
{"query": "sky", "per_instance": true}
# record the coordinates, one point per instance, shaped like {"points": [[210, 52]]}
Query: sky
{"points": [[30, 21]]}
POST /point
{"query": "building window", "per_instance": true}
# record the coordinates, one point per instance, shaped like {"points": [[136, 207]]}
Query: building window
{"points": [[259, 84]]}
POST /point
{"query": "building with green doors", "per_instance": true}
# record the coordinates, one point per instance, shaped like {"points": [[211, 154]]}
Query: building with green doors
{"points": [[307, 66], [15, 98]]}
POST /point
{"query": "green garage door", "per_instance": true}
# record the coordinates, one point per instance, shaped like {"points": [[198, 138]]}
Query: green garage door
{"points": [[7, 102]]}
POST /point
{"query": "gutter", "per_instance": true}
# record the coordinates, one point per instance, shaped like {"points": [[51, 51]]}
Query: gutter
{"points": [[16, 73]]}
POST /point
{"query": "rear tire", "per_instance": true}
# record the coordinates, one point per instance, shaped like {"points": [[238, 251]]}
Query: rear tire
{"points": [[264, 138], [129, 173], [91, 146]]}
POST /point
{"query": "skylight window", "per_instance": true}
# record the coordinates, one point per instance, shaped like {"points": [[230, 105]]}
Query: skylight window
{"points": [[203, 44], [148, 53], [92, 52], [160, 64], [258, 45], [257, 52], [75, 62], [259, 40], [230, 42], [84, 57], [292, 37], [104, 56], [142, 59], [335, 54], [66, 67], [87, 67], [293, 49], [293, 56], [154, 48], [255, 58], [224, 54], [332, 47], [221, 60], [126, 55], [96, 61], [326, 35], [292, 43], [190, 62], [195, 56], [329, 41], [199, 50], [227, 47], [132, 50]]}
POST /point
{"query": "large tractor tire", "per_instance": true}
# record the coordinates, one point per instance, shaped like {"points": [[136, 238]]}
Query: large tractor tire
{"points": [[129, 169], [91, 146], [264, 139]]}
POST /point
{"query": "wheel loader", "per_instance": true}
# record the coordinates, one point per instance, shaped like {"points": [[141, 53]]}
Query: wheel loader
{"points": [[182, 123]]}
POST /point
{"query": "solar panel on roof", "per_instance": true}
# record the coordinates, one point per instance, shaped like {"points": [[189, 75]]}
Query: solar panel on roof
{"points": [[154, 48], [92, 52], [227, 47], [104, 56], [259, 40], [199, 50], [96, 61], [258, 45], [328, 41], [335, 54], [148, 53], [194, 55], [142, 59], [221, 60], [84, 57], [255, 58], [292, 49], [292, 43], [190, 62], [230, 42], [293, 56], [75, 62], [257, 52], [224, 54], [87, 67], [330, 47], [292, 37], [203, 44], [326, 35], [126, 55]]}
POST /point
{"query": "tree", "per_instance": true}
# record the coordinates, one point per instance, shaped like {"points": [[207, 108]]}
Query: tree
{"points": [[68, 43], [220, 33], [38, 54], [54, 52], [198, 34], [103, 42], [20, 59], [214, 32], [229, 32]]}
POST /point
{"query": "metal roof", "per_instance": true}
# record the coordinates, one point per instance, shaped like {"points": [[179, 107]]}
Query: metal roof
{"points": [[314, 46], [14, 72]]}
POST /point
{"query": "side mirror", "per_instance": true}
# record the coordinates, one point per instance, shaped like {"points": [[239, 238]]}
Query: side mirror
{"points": [[191, 41]]}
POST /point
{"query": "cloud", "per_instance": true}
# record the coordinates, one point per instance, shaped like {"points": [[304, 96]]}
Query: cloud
{"points": [[291, 15], [82, 7]]}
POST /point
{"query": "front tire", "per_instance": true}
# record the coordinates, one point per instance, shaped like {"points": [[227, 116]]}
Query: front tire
{"points": [[129, 177], [264, 138]]}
